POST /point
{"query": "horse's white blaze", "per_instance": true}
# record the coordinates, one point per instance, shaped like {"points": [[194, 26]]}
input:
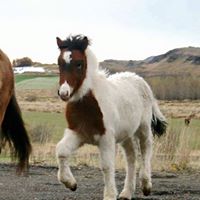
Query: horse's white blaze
{"points": [[65, 90], [67, 56]]}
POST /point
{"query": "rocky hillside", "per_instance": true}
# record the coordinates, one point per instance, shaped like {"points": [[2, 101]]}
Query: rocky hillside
{"points": [[181, 62], [177, 62]]}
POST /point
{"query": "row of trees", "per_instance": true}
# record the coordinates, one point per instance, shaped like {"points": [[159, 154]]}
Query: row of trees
{"points": [[21, 62], [175, 88]]}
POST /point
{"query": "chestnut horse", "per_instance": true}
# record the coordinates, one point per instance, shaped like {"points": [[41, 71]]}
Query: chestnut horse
{"points": [[12, 129], [103, 110]]}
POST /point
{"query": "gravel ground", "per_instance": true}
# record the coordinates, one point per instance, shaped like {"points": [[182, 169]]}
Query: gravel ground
{"points": [[42, 184]]}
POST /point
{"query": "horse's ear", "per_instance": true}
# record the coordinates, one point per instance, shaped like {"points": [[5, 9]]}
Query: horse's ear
{"points": [[85, 43], [59, 42]]}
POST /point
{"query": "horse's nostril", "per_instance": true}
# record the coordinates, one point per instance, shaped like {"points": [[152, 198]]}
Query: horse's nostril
{"points": [[63, 96]]}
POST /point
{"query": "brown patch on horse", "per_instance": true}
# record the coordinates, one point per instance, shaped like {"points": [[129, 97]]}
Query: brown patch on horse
{"points": [[6, 82], [12, 130], [85, 117]]}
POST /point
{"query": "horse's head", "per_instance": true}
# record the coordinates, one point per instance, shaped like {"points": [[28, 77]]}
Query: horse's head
{"points": [[72, 63]]}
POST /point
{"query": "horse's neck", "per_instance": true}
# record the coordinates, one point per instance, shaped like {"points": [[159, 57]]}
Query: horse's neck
{"points": [[92, 62], [93, 82], [94, 77], [94, 74]]}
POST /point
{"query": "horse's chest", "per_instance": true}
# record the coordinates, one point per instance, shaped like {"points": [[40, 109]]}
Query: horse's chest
{"points": [[85, 116]]}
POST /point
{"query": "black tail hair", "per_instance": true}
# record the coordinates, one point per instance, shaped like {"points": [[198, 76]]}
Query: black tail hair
{"points": [[159, 126], [14, 132]]}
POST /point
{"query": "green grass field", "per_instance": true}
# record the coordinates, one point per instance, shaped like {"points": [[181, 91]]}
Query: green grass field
{"points": [[176, 148], [56, 122], [173, 151], [36, 82], [191, 132], [22, 77]]}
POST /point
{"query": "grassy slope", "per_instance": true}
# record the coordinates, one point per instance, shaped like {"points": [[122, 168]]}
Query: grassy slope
{"points": [[176, 126], [22, 77], [176, 147], [56, 121], [35, 82]]}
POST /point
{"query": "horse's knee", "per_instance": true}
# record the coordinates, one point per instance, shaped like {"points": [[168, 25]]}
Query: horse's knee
{"points": [[61, 150], [69, 143]]}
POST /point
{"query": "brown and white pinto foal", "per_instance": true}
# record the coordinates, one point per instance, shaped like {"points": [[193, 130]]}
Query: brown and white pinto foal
{"points": [[12, 129], [103, 110]]}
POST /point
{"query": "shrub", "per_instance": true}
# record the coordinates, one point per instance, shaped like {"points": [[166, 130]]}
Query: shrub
{"points": [[31, 98], [41, 133], [175, 88], [21, 62]]}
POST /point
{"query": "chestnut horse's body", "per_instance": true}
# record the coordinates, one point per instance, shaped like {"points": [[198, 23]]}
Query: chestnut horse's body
{"points": [[103, 110], [12, 128]]}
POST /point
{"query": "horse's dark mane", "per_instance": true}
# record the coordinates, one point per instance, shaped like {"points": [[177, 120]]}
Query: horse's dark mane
{"points": [[77, 42]]}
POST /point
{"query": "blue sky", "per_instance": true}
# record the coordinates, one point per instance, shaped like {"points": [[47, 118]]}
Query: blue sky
{"points": [[128, 29]]}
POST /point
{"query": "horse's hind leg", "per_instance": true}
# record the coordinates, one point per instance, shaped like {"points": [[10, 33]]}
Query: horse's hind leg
{"points": [[130, 148], [107, 154], [4, 100], [145, 139]]}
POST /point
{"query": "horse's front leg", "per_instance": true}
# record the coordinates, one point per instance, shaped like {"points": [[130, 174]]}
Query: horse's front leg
{"points": [[69, 143], [107, 153]]}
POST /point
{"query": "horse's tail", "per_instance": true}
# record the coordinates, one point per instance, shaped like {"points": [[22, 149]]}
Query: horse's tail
{"points": [[158, 122], [14, 132]]}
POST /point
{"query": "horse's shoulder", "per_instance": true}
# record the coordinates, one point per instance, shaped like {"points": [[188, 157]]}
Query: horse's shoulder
{"points": [[85, 111]]}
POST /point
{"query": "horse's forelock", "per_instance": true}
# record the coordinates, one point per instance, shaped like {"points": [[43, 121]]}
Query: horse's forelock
{"points": [[77, 42]]}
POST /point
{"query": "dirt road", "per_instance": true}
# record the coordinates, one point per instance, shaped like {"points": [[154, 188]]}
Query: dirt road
{"points": [[42, 184]]}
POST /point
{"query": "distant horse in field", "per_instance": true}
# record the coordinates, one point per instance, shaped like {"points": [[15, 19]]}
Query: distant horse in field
{"points": [[104, 110], [12, 128]]}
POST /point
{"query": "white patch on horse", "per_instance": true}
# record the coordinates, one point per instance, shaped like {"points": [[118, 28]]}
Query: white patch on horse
{"points": [[67, 56]]}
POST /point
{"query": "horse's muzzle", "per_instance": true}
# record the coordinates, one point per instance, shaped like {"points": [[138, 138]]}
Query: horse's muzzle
{"points": [[64, 97], [64, 92]]}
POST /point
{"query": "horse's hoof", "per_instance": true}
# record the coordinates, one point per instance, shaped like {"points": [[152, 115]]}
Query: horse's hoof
{"points": [[74, 187], [146, 191]]}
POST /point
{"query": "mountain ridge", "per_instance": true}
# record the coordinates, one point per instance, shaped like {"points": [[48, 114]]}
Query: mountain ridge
{"points": [[176, 62]]}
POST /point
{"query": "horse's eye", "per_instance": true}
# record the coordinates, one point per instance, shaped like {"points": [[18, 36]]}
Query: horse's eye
{"points": [[79, 66]]}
